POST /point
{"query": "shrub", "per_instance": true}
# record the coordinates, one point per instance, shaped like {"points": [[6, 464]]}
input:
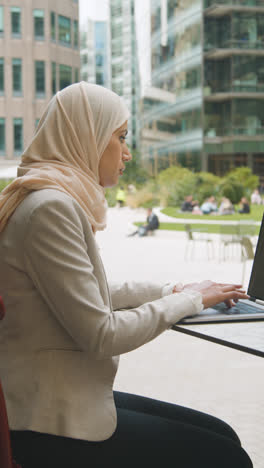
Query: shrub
{"points": [[231, 188], [245, 177], [174, 184], [207, 184]]}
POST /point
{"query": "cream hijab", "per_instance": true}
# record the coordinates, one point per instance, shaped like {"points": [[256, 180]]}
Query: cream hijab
{"points": [[65, 152]]}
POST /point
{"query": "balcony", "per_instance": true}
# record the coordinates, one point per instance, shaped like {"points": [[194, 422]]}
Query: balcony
{"points": [[231, 131], [233, 46], [238, 89], [218, 8]]}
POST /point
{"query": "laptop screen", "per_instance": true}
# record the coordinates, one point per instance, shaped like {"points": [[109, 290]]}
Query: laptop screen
{"points": [[256, 283]]}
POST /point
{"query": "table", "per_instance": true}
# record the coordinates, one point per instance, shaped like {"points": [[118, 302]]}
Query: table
{"points": [[243, 336]]}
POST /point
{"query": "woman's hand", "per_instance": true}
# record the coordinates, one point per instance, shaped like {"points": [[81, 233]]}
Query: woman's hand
{"points": [[213, 293]]}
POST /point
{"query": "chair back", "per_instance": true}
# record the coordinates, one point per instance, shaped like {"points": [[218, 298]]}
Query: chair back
{"points": [[247, 248], [6, 460]]}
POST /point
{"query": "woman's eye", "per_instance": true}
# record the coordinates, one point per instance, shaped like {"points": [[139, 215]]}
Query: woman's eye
{"points": [[122, 139]]}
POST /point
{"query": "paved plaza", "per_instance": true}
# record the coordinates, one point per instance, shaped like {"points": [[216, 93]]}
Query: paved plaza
{"points": [[177, 368]]}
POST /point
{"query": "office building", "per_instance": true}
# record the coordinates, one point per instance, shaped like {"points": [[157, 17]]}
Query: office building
{"points": [[95, 53], [124, 62], [39, 55], [204, 108]]}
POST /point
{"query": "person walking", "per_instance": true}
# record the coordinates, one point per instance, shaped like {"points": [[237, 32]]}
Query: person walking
{"points": [[121, 197]]}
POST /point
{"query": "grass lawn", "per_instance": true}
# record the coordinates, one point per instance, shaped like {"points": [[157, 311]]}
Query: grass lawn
{"points": [[255, 215]]}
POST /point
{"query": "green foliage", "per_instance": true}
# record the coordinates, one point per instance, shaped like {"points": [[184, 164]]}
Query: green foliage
{"points": [[134, 174], [110, 195], [231, 188], [207, 184], [4, 183], [244, 176], [174, 184], [177, 182]]}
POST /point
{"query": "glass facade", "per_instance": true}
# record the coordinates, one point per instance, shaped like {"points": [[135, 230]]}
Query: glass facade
{"points": [[234, 86], [204, 108], [39, 27], [2, 135], [64, 30], [18, 135], [65, 76], [2, 75], [16, 21], [17, 76], [40, 78], [238, 29], [172, 114], [125, 62]]}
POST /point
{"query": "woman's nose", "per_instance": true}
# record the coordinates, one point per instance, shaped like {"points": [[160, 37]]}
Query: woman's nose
{"points": [[127, 156]]}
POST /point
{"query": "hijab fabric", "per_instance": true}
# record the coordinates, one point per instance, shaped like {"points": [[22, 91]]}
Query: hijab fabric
{"points": [[65, 152]]}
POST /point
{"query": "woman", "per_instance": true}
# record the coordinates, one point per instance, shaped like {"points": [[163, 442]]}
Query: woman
{"points": [[64, 328]]}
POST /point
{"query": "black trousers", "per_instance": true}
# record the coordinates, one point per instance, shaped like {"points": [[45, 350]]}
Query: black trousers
{"points": [[150, 433]]}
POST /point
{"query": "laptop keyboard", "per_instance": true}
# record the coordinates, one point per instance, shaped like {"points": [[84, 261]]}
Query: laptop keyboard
{"points": [[239, 308]]}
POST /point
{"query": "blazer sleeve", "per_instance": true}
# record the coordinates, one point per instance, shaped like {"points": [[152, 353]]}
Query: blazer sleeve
{"points": [[57, 260]]}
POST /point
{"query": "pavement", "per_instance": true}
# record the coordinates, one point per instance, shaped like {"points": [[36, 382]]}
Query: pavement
{"points": [[182, 369]]}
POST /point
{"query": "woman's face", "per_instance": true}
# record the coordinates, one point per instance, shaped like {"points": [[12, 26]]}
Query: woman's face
{"points": [[111, 164]]}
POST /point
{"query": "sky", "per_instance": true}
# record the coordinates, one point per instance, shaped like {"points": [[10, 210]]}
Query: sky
{"points": [[99, 10], [94, 9]]}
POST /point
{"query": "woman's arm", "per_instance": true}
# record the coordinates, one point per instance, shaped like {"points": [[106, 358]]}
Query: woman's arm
{"points": [[133, 293], [58, 262]]}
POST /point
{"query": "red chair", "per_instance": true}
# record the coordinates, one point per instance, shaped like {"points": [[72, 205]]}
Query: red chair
{"points": [[6, 459]]}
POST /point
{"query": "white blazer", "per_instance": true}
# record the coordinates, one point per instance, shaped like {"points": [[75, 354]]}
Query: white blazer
{"points": [[63, 330]]}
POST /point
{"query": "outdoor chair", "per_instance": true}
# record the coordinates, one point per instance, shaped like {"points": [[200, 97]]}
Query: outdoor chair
{"points": [[247, 254], [230, 242], [194, 238], [232, 239], [6, 459]]}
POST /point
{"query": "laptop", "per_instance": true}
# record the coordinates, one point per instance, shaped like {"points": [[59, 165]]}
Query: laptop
{"points": [[249, 309]]}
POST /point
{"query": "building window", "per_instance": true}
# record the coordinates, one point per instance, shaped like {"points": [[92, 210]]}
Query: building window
{"points": [[1, 20], [40, 78], [53, 26], [76, 75], [76, 33], [16, 21], [54, 77], [65, 76], [2, 75], [99, 60], [64, 30], [18, 135], [2, 136], [17, 76], [39, 25], [99, 78]]}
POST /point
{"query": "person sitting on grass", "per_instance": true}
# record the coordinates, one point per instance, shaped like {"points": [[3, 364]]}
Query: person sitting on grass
{"points": [[244, 206], [209, 206], [187, 205], [151, 225]]}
